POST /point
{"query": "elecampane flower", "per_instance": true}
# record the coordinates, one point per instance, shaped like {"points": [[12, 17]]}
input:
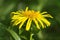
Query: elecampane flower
{"points": [[20, 17]]}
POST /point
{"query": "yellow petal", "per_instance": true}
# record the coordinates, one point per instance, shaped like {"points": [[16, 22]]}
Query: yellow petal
{"points": [[36, 22], [47, 15], [41, 23], [46, 21], [43, 12], [20, 20], [15, 13], [15, 17], [23, 20], [12, 20], [16, 21], [26, 8], [28, 24]]}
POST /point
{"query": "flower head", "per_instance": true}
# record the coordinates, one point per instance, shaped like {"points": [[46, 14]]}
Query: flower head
{"points": [[20, 17]]}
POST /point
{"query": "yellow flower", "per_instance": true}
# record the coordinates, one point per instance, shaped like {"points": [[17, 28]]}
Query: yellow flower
{"points": [[20, 17]]}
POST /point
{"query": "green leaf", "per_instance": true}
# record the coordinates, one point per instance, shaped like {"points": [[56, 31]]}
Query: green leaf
{"points": [[15, 36]]}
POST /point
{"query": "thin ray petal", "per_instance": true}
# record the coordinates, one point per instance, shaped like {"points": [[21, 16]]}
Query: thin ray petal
{"points": [[18, 22], [15, 17], [41, 22], [26, 8], [46, 21], [36, 22], [47, 15], [28, 24], [15, 22], [12, 20], [22, 23], [43, 12]]}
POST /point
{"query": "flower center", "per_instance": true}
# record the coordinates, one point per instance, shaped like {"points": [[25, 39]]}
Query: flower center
{"points": [[30, 14]]}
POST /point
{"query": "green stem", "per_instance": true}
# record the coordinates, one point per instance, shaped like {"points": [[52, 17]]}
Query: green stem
{"points": [[31, 36]]}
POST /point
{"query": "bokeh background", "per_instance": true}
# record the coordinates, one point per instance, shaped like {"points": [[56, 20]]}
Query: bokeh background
{"points": [[49, 33]]}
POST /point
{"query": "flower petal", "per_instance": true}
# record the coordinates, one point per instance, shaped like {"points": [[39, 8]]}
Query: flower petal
{"points": [[46, 21], [41, 23], [18, 22], [43, 12], [15, 22], [36, 23], [15, 13], [26, 8], [28, 24], [47, 15], [23, 20], [16, 17]]}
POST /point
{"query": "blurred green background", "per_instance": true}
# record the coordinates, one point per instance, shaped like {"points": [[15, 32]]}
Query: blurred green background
{"points": [[49, 33]]}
